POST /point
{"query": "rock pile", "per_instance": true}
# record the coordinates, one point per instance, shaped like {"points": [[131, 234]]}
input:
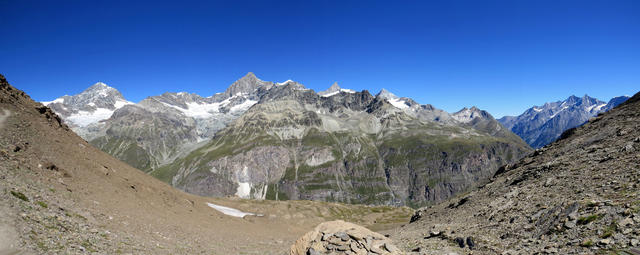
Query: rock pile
{"points": [[343, 238]]}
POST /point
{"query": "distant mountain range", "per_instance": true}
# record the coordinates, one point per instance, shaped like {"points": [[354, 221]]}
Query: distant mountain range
{"points": [[541, 125], [267, 140]]}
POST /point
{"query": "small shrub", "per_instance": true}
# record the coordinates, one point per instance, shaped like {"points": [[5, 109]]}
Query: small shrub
{"points": [[20, 196], [610, 230], [588, 219], [587, 243], [42, 204]]}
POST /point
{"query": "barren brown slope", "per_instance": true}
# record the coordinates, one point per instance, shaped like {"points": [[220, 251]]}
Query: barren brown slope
{"points": [[58, 195], [579, 195]]}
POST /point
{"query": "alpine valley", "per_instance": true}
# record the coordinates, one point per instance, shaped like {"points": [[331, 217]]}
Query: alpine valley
{"points": [[283, 141]]}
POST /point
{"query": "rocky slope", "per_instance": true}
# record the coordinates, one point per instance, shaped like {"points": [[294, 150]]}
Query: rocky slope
{"points": [[541, 125], [60, 195], [579, 195], [346, 146]]}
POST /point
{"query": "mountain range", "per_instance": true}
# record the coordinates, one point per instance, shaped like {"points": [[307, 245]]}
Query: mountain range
{"points": [[267, 140], [541, 125], [577, 195]]}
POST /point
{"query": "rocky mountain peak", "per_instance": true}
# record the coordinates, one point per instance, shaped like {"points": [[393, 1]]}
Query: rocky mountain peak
{"points": [[250, 75], [246, 85], [101, 89], [403, 103], [572, 98], [467, 115], [334, 87], [99, 85], [384, 93], [588, 101], [333, 90]]}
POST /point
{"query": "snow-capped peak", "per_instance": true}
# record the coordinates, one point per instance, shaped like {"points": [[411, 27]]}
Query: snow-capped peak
{"points": [[96, 103], [393, 99]]}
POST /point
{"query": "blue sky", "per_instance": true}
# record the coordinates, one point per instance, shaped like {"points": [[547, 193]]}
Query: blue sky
{"points": [[502, 56]]}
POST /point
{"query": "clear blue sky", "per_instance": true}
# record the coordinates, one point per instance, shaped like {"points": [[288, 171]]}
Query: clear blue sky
{"points": [[502, 56]]}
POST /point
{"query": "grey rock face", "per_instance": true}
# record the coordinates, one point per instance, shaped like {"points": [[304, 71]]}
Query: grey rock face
{"points": [[541, 125], [250, 173]]}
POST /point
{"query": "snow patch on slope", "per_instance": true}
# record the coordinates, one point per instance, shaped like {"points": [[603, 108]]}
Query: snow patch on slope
{"points": [[597, 107], [85, 118], [350, 91], [230, 211], [244, 187], [244, 105], [119, 104], [207, 110], [243, 190], [398, 103], [197, 110], [285, 82], [58, 100]]}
